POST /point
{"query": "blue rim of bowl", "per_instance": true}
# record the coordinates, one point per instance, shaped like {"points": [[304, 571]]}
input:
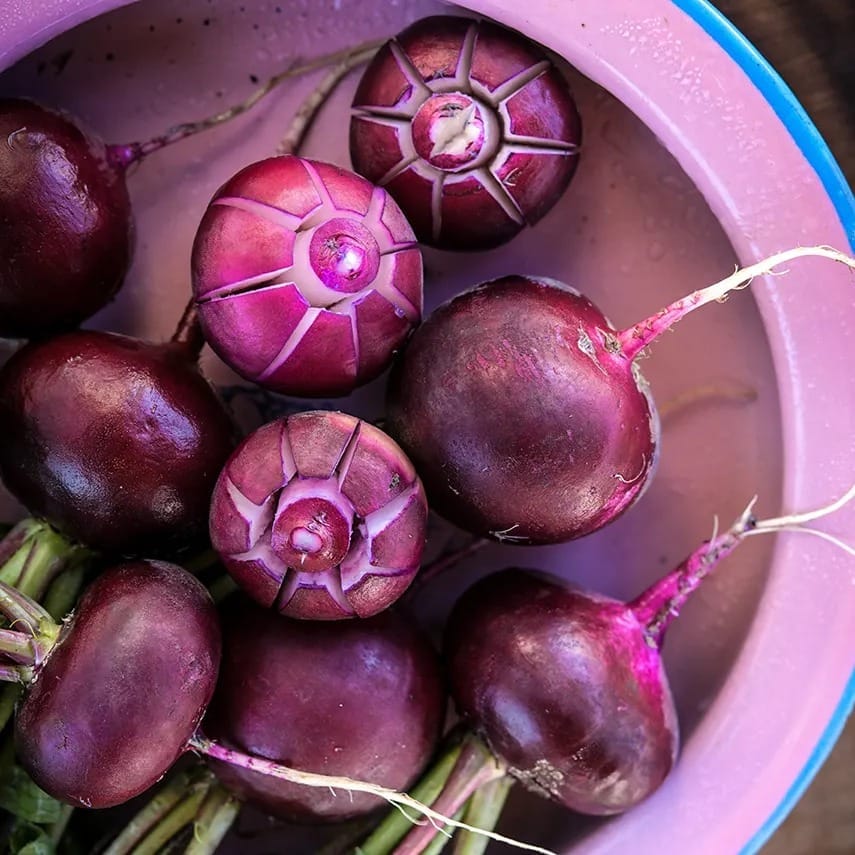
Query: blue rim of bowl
{"points": [[782, 100]]}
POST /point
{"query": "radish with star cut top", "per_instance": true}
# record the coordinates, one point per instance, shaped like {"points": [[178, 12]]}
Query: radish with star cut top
{"points": [[470, 126], [524, 410], [307, 277], [321, 516]]}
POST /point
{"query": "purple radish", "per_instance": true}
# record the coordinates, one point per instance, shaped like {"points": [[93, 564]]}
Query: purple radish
{"points": [[321, 516], [307, 277], [370, 705], [116, 692], [525, 412], [470, 127], [66, 234], [66, 227], [115, 441], [568, 688]]}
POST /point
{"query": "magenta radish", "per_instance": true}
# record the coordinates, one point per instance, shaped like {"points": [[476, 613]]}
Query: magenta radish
{"points": [[320, 515], [567, 687], [470, 127], [115, 693], [307, 277], [370, 705], [115, 441], [525, 412], [537, 667], [66, 227]]}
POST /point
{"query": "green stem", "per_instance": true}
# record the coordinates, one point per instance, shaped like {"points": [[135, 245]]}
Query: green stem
{"points": [[349, 835], [221, 587], [156, 809], [201, 562], [9, 695], [7, 756], [14, 674], [64, 591], [442, 840], [483, 811], [19, 608], [475, 767], [215, 818], [33, 554], [184, 813], [57, 829], [396, 825], [17, 647]]}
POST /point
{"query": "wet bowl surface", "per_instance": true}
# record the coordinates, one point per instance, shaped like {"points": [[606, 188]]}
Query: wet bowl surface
{"points": [[695, 158]]}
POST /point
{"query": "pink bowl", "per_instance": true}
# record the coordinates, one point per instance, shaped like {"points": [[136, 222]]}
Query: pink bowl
{"points": [[696, 156]]}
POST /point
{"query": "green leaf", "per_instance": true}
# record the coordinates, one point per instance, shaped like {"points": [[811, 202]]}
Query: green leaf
{"points": [[29, 839], [22, 798]]}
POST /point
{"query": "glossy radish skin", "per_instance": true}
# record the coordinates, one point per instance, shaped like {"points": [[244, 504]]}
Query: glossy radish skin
{"points": [[522, 419], [307, 277], [124, 688], [362, 699], [566, 688], [116, 442], [469, 126], [321, 516], [66, 232]]}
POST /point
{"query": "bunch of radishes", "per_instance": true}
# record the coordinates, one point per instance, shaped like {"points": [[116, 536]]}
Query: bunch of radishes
{"points": [[516, 411]]}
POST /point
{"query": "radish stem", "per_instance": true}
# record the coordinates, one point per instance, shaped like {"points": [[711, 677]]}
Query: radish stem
{"points": [[475, 767], [13, 674], [396, 824], [18, 647], [633, 340], [145, 820], [657, 607], [209, 748], [182, 814], [130, 153], [483, 810], [32, 555], [213, 821], [307, 111]]}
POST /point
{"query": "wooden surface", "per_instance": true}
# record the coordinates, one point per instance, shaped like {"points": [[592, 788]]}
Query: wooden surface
{"points": [[811, 43]]}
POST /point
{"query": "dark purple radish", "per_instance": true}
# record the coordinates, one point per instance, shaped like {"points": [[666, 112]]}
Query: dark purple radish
{"points": [[470, 127], [307, 277], [66, 234], [568, 688], [66, 226], [525, 412], [364, 699], [115, 693], [320, 515], [115, 441]]}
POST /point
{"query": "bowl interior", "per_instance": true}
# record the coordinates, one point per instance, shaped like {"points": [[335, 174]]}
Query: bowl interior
{"points": [[632, 232]]}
